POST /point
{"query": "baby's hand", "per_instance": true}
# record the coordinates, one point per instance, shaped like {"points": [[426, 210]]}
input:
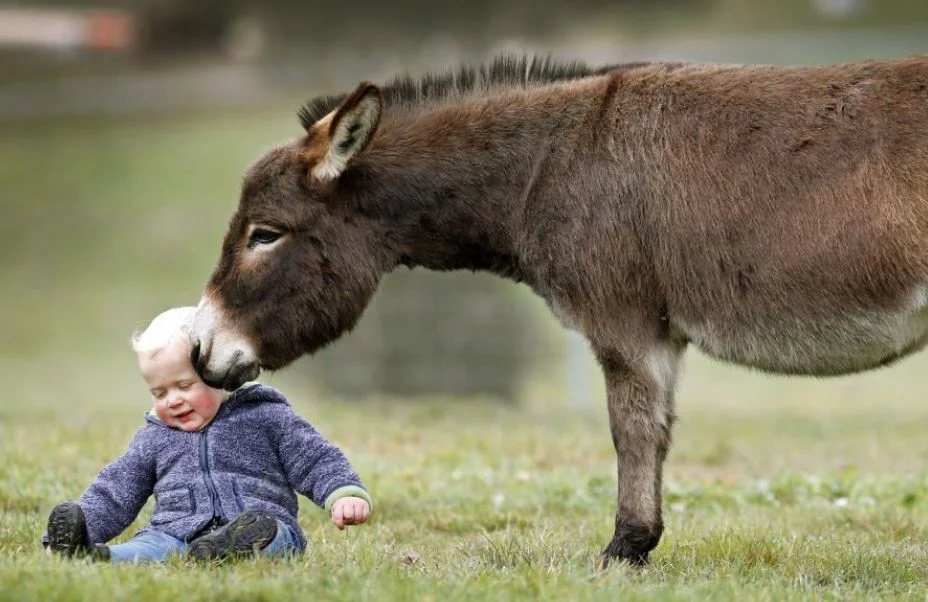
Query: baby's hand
{"points": [[350, 511]]}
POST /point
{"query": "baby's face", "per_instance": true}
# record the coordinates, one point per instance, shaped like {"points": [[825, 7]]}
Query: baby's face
{"points": [[182, 400]]}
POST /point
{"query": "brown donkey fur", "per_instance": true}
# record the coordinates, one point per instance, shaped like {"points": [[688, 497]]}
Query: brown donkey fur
{"points": [[776, 217]]}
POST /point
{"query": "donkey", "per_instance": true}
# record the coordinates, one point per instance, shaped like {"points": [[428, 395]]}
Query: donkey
{"points": [[774, 217]]}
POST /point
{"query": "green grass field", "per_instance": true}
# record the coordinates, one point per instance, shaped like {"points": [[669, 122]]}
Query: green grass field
{"points": [[776, 489]]}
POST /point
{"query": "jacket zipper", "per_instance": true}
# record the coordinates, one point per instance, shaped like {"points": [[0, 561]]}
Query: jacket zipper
{"points": [[207, 479]]}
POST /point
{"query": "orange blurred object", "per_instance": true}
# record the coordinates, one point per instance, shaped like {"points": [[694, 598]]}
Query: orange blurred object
{"points": [[108, 30]]}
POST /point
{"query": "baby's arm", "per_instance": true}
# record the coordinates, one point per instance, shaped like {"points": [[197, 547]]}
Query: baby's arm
{"points": [[119, 492], [319, 470]]}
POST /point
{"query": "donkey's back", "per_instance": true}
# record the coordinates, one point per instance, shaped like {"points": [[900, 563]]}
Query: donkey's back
{"points": [[786, 209]]}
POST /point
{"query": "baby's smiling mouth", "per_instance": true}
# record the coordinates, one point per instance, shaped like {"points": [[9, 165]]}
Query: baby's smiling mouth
{"points": [[183, 415]]}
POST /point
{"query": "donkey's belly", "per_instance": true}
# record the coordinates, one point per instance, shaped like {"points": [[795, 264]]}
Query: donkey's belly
{"points": [[830, 346]]}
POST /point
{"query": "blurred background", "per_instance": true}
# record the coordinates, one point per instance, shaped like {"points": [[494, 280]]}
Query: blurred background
{"points": [[126, 126]]}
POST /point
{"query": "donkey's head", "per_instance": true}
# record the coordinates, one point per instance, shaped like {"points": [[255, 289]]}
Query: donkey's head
{"points": [[298, 263]]}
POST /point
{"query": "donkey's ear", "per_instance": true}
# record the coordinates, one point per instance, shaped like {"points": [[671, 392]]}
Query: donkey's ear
{"points": [[347, 130]]}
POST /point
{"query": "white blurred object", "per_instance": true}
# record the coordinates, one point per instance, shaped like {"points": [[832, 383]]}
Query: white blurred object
{"points": [[66, 29], [245, 39], [498, 500], [837, 9]]}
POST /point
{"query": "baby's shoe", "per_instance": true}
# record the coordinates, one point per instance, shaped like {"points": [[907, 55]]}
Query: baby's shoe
{"points": [[67, 530], [251, 531], [67, 533]]}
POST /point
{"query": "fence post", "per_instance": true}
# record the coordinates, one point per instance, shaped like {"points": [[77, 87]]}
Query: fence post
{"points": [[578, 378]]}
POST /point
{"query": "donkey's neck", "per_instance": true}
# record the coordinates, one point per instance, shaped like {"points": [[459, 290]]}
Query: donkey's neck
{"points": [[451, 182]]}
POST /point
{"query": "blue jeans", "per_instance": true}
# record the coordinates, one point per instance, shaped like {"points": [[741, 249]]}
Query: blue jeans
{"points": [[154, 546]]}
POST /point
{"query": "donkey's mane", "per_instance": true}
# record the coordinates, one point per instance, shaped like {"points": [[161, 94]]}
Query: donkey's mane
{"points": [[505, 70]]}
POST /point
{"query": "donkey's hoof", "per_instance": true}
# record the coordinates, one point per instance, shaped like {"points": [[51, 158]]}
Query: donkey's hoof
{"points": [[607, 558], [632, 544]]}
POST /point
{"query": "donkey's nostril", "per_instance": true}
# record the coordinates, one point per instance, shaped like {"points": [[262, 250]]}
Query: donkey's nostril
{"points": [[195, 353]]}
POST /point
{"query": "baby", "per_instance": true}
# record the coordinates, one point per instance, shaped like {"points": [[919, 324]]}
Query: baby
{"points": [[224, 468]]}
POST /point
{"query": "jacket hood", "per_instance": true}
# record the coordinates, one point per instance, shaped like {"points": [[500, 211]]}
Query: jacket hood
{"points": [[248, 393]]}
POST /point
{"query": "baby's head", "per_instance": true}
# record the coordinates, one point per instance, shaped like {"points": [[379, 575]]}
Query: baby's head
{"points": [[181, 399]]}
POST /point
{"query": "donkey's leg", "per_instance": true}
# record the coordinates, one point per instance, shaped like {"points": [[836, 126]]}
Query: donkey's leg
{"points": [[640, 400]]}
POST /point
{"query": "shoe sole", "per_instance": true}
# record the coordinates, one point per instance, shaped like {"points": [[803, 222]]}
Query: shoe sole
{"points": [[66, 530], [244, 535]]}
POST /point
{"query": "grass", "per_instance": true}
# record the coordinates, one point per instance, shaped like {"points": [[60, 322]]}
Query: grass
{"points": [[776, 489], [477, 501]]}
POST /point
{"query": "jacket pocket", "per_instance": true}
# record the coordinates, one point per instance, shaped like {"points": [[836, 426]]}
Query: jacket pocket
{"points": [[251, 494], [172, 505]]}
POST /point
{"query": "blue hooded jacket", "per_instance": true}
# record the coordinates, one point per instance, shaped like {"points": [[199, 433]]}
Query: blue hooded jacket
{"points": [[257, 453]]}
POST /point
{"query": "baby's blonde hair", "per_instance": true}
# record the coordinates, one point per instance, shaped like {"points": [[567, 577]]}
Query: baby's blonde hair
{"points": [[166, 330]]}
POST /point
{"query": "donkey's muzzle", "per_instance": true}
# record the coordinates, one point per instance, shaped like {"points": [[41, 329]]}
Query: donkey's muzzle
{"points": [[237, 371]]}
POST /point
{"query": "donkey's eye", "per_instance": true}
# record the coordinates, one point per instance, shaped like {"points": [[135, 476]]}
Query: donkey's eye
{"points": [[262, 236]]}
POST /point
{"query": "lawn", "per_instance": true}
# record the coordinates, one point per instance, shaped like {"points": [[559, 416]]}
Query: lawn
{"points": [[776, 489]]}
